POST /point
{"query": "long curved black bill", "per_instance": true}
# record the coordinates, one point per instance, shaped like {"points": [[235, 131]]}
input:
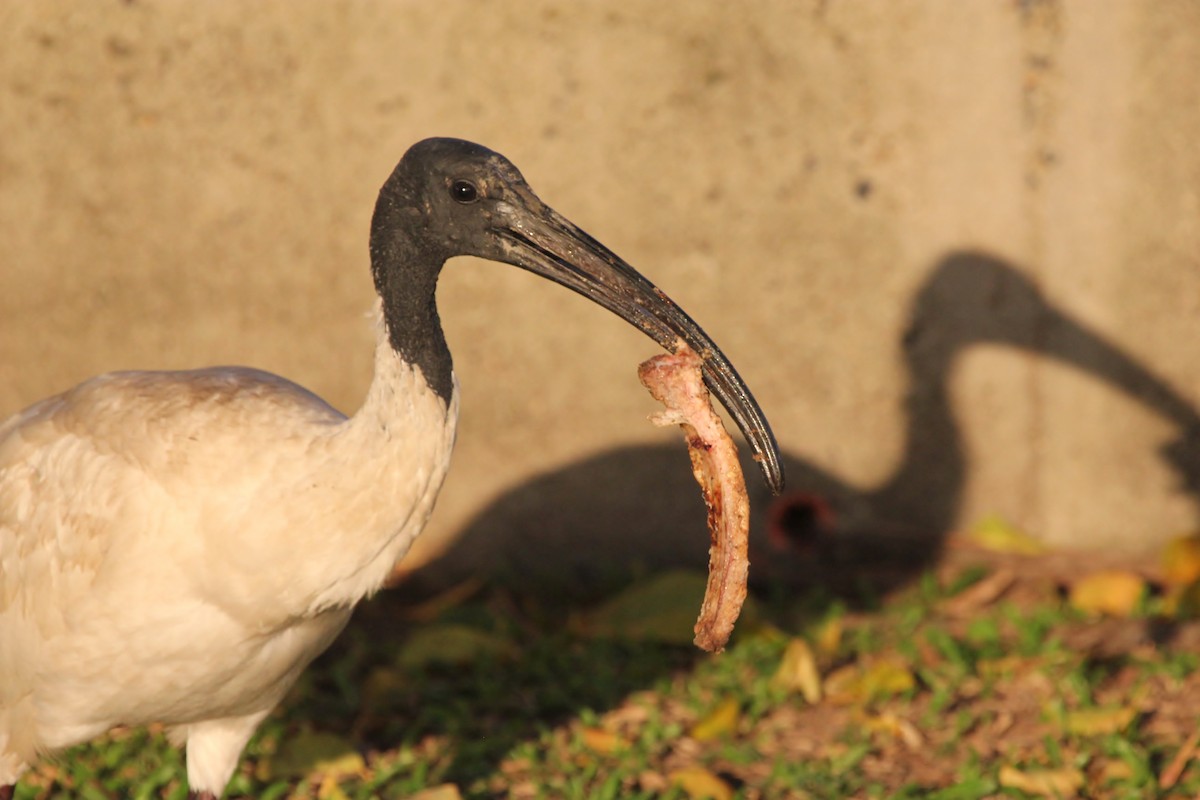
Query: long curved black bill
{"points": [[539, 239]]}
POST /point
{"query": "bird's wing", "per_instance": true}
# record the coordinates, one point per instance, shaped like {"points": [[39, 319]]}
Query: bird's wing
{"points": [[83, 472], [103, 490]]}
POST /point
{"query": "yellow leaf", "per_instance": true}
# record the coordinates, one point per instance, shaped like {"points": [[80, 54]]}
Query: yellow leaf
{"points": [[329, 790], [887, 678], [798, 671], [1000, 536], [896, 727], [721, 721], [1112, 771], [447, 791], [844, 684], [700, 784], [601, 740], [829, 637], [1181, 560], [1064, 782], [309, 752], [1113, 592], [1097, 721], [853, 684]]}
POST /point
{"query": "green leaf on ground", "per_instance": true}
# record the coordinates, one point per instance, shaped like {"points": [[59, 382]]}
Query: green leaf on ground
{"points": [[311, 752], [661, 609], [453, 644]]}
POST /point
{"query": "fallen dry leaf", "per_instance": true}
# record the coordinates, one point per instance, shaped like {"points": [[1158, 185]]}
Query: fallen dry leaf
{"points": [[651, 781], [1115, 770], [888, 677], [896, 727], [1000, 536], [1181, 560], [1171, 773], [1062, 782], [843, 685], [602, 741], [1098, 721], [330, 790], [859, 685], [829, 637], [1114, 592], [981, 594], [721, 721], [700, 784], [447, 791], [798, 671]]}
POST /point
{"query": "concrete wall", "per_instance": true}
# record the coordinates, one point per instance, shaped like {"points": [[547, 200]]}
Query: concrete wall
{"points": [[976, 220]]}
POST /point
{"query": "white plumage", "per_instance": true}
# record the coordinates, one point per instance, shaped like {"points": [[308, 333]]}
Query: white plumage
{"points": [[175, 547], [145, 576]]}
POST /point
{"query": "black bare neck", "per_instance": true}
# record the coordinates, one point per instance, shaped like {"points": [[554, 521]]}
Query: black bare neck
{"points": [[406, 274]]}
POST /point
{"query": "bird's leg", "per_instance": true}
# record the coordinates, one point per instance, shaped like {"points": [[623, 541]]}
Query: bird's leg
{"points": [[191, 796], [6, 792]]}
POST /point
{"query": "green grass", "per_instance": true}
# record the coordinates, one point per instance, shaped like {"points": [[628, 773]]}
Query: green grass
{"points": [[508, 696]]}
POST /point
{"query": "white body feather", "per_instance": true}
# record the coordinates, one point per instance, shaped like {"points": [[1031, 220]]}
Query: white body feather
{"points": [[176, 547]]}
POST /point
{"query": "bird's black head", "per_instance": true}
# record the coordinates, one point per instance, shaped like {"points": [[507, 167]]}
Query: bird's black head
{"points": [[450, 198]]}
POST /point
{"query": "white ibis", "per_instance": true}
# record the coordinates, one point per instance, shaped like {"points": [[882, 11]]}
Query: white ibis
{"points": [[175, 547]]}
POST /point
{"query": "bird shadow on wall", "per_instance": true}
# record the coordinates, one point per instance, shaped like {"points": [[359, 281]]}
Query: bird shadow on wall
{"points": [[596, 518], [591, 522]]}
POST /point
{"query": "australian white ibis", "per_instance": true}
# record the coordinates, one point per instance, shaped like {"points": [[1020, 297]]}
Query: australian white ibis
{"points": [[176, 547]]}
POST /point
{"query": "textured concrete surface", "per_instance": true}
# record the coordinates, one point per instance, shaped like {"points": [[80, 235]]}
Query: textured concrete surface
{"points": [[954, 248]]}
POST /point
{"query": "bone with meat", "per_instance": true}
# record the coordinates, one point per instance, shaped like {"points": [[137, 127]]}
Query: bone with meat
{"points": [[676, 381]]}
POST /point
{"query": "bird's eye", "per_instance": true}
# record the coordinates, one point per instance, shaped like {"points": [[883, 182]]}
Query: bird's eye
{"points": [[464, 191]]}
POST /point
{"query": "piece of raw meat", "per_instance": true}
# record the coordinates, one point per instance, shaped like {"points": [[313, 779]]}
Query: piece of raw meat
{"points": [[676, 381]]}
